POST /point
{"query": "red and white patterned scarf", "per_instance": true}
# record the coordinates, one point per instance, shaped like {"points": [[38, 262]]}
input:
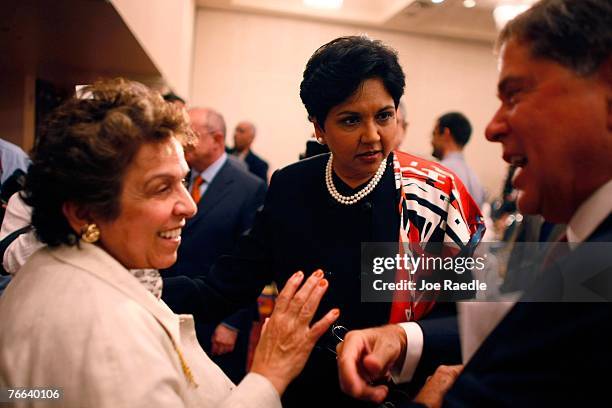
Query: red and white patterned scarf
{"points": [[433, 203]]}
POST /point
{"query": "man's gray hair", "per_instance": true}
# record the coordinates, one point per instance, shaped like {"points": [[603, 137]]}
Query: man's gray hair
{"points": [[574, 33]]}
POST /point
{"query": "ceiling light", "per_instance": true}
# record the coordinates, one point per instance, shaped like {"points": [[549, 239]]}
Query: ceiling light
{"points": [[437, 1], [324, 4], [506, 12], [469, 3]]}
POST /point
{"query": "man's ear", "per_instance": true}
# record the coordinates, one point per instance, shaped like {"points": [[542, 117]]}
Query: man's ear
{"points": [[76, 216], [319, 133], [448, 138], [219, 139]]}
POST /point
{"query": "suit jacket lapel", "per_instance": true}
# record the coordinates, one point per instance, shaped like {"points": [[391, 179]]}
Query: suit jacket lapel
{"points": [[94, 260], [215, 193], [249, 159]]}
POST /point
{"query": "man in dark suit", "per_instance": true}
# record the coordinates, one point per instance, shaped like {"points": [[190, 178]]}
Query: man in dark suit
{"points": [[555, 123], [227, 198], [244, 135]]}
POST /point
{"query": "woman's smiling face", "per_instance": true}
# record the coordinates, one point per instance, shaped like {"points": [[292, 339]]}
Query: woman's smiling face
{"points": [[360, 132], [154, 205]]}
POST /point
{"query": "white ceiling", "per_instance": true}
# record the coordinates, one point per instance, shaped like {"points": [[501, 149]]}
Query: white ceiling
{"points": [[447, 19]]}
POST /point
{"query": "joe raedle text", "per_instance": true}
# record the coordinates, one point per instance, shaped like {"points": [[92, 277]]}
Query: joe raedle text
{"points": [[423, 285]]}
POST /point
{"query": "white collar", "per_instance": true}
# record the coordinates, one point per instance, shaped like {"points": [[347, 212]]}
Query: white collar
{"points": [[211, 171], [454, 155], [592, 212], [243, 154]]}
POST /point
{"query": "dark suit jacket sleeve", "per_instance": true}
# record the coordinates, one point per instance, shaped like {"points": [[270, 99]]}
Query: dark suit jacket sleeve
{"points": [[441, 345], [243, 317], [234, 281], [257, 166], [251, 207], [261, 170]]}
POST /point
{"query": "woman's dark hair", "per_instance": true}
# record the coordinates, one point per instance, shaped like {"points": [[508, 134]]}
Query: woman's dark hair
{"points": [[337, 69], [85, 147]]}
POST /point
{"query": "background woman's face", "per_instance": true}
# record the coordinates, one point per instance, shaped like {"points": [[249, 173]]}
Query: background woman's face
{"points": [[154, 205], [360, 132]]}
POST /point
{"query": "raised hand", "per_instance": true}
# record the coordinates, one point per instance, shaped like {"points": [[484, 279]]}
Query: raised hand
{"points": [[288, 338]]}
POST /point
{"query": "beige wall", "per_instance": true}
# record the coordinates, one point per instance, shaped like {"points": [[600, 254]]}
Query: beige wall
{"points": [[250, 66], [164, 29]]}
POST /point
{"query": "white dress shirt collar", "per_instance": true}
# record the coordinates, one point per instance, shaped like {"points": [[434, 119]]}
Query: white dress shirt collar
{"points": [[592, 212], [211, 171]]}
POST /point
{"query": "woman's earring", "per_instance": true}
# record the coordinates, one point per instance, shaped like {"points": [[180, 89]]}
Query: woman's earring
{"points": [[90, 233]]}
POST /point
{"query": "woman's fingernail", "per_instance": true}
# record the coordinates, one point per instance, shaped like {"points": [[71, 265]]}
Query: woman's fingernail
{"points": [[298, 275], [323, 283], [335, 312], [318, 274]]}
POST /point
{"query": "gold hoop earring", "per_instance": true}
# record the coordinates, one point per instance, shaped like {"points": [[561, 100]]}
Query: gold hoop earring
{"points": [[90, 233]]}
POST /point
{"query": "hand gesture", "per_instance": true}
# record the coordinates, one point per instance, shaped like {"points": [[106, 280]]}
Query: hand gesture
{"points": [[367, 356], [287, 337]]}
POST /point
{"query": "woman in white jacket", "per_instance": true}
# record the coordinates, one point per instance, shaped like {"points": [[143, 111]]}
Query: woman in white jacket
{"points": [[84, 315]]}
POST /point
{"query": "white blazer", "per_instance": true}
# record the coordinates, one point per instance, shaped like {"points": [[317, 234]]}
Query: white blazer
{"points": [[77, 319]]}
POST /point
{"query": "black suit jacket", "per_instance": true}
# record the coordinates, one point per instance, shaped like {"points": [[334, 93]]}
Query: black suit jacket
{"points": [[256, 165], [298, 230], [549, 353], [225, 211]]}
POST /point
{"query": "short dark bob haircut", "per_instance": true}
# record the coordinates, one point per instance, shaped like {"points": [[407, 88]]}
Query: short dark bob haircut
{"points": [[576, 34], [337, 69], [85, 147]]}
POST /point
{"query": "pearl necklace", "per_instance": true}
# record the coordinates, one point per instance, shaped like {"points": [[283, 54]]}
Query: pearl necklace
{"points": [[350, 200]]}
